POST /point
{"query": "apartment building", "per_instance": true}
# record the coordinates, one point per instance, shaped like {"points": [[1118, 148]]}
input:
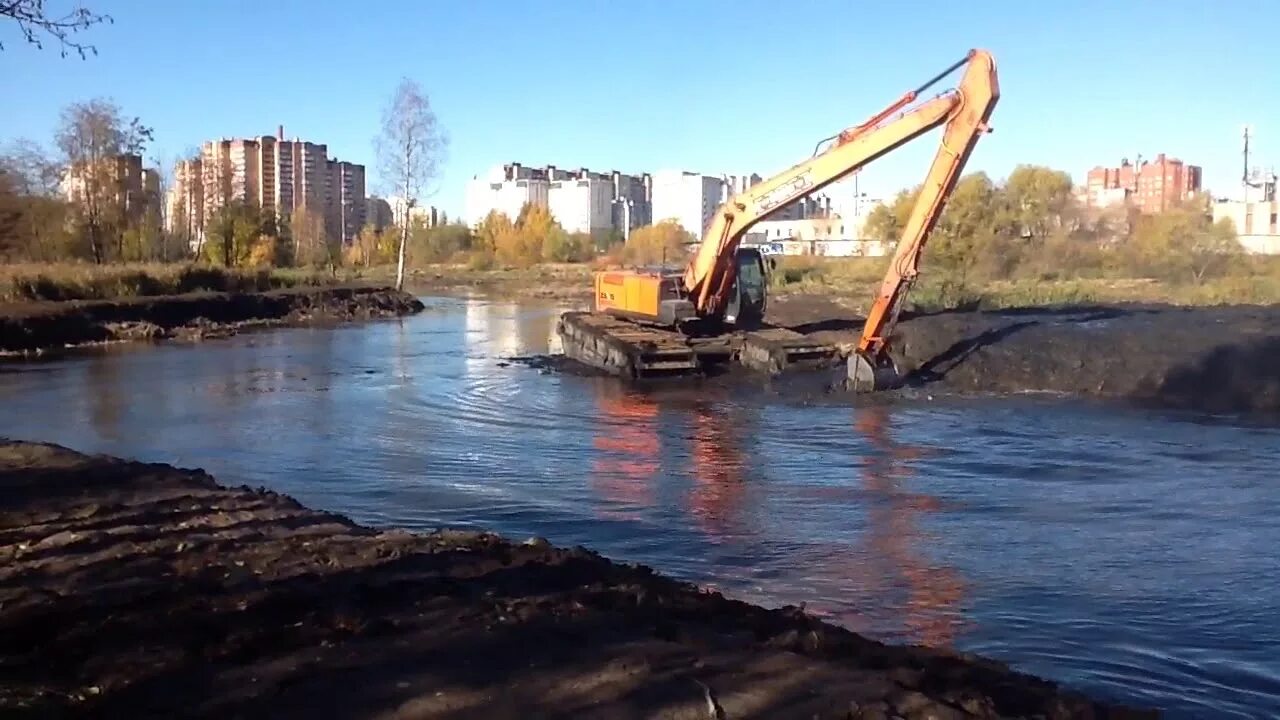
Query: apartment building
{"points": [[184, 203], [582, 200], [1151, 186], [120, 181], [632, 202], [686, 197], [506, 190], [276, 175], [378, 213], [1255, 223], [582, 204], [345, 209]]}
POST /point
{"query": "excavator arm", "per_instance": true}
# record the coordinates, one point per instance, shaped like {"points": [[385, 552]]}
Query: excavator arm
{"points": [[964, 111]]}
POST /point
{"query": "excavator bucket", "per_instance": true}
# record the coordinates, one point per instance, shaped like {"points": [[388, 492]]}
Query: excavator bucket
{"points": [[867, 374]]}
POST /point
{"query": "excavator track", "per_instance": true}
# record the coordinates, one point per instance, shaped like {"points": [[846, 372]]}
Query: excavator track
{"points": [[633, 350]]}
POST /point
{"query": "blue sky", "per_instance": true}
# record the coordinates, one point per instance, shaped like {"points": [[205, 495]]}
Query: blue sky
{"points": [[709, 86]]}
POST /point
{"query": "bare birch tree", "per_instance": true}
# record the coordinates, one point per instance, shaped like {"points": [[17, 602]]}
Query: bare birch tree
{"points": [[410, 150]]}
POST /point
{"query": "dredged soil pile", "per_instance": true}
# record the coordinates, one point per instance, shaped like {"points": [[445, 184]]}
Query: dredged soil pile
{"points": [[36, 327], [136, 590], [1215, 359]]}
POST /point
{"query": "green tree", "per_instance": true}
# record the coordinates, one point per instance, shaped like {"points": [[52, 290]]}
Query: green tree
{"points": [[1039, 201], [886, 221], [1183, 245], [234, 230], [568, 247], [438, 244]]}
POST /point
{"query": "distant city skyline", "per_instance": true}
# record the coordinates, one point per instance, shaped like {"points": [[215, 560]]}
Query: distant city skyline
{"points": [[1082, 84]]}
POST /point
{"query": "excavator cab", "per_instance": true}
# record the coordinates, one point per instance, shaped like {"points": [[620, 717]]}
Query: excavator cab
{"points": [[749, 294]]}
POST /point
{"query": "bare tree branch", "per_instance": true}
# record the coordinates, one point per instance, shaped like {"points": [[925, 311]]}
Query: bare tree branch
{"points": [[34, 23]]}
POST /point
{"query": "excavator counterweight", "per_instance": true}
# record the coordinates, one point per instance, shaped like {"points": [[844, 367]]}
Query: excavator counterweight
{"points": [[723, 289]]}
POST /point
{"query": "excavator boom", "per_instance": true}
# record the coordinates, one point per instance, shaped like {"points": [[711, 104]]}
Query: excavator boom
{"points": [[964, 111], [654, 320]]}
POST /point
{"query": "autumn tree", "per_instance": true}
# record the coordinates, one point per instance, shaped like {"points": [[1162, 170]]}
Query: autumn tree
{"points": [[568, 247], [886, 221], [234, 230], [37, 25], [93, 136], [491, 231], [32, 212], [1183, 245], [410, 150], [438, 244], [665, 241], [312, 245]]}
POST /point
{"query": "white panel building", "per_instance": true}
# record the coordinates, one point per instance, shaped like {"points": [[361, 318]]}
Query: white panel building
{"points": [[688, 198], [584, 205], [505, 196]]}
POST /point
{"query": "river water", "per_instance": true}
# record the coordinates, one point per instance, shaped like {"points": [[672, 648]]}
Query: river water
{"points": [[1127, 554]]}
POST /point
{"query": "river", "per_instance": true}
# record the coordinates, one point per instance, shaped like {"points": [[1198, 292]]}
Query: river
{"points": [[1128, 554]]}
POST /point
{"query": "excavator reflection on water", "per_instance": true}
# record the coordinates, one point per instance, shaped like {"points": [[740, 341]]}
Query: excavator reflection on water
{"points": [[654, 321], [881, 581]]}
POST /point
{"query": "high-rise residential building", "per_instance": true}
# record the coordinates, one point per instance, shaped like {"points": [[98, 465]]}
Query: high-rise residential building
{"points": [[378, 213], [582, 205], [276, 175], [506, 189], [345, 210], [185, 201], [688, 198], [632, 201], [119, 180], [1151, 186], [581, 200]]}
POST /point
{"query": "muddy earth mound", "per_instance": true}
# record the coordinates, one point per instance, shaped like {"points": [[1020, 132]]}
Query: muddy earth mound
{"points": [[34, 327], [137, 590], [1213, 359]]}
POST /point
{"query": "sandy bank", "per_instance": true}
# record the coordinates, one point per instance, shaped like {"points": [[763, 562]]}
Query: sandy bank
{"points": [[37, 327], [134, 590]]}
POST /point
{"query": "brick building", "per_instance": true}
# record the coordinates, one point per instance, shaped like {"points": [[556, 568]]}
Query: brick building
{"points": [[1151, 186]]}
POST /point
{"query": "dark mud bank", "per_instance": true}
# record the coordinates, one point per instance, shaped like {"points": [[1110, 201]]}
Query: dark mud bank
{"points": [[1204, 359], [1210, 359], [49, 326], [136, 590]]}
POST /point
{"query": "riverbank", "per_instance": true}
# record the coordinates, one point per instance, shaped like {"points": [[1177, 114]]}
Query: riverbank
{"points": [[39, 327], [131, 590], [1205, 359]]}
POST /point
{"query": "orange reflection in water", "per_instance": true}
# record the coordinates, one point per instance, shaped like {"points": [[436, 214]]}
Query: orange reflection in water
{"points": [[719, 488], [929, 611], [626, 438]]}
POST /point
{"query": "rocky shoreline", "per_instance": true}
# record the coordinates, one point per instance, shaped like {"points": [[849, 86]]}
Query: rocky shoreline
{"points": [[143, 590], [38, 328]]}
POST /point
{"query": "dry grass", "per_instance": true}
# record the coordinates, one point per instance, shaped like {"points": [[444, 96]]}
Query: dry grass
{"points": [[1255, 281], [81, 281]]}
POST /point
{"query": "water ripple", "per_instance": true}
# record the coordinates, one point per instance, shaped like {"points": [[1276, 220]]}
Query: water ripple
{"points": [[1129, 555]]}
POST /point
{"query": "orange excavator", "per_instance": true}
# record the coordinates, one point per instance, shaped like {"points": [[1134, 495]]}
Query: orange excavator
{"points": [[725, 284]]}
